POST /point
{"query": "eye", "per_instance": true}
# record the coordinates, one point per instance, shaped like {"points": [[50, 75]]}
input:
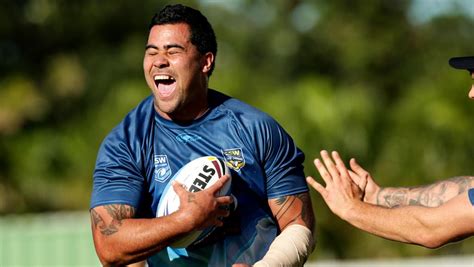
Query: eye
{"points": [[151, 52], [174, 51]]}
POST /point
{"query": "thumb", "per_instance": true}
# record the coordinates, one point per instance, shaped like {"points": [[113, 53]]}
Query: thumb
{"points": [[359, 181], [357, 168], [179, 189], [321, 190]]}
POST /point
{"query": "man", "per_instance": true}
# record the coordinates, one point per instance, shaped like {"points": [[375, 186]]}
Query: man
{"points": [[183, 120], [429, 216]]}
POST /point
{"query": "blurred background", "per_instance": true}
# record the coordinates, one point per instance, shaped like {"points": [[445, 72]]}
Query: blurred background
{"points": [[367, 78]]}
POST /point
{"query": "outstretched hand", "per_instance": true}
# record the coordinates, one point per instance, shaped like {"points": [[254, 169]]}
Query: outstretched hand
{"points": [[340, 192], [204, 208], [365, 182]]}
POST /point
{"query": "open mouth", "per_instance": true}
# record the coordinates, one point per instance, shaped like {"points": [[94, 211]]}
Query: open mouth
{"points": [[165, 84]]}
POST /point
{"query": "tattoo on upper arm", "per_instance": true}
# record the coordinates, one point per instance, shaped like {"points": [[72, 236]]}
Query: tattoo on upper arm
{"points": [[305, 213], [118, 212], [432, 195], [285, 203], [96, 219], [306, 210]]}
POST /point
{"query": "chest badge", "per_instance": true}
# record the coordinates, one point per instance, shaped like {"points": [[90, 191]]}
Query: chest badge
{"points": [[162, 168], [234, 158]]}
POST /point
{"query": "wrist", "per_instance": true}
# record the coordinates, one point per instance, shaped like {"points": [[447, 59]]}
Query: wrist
{"points": [[351, 210], [181, 216], [371, 197]]}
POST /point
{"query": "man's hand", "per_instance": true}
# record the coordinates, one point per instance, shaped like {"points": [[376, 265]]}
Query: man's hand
{"points": [[204, 208], [365, 182], [340, 193]]}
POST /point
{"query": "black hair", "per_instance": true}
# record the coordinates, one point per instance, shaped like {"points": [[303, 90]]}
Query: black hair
{"points": [[202, 34]]}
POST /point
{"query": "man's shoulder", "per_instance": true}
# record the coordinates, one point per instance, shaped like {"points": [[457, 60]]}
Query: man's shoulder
{"points": [[136, 124], [238, 107], [144, 110]]}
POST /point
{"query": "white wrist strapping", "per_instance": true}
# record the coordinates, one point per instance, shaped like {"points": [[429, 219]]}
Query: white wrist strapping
{"points": [[291, 247]]}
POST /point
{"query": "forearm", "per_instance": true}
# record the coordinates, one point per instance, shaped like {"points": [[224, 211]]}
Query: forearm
{"points": [[410, 224], [432, 195], [130, 240], [295, 243], [291, 248]]}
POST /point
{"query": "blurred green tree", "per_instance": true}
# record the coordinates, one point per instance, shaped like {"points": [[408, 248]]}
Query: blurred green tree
{"points": [[365, 78]]}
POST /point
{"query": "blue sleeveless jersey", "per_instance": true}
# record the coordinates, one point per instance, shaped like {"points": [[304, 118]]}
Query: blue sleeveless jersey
{"points": [[138, 158]]}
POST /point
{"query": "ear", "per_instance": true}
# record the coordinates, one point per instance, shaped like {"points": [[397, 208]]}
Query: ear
{"points": [[207, 61]]}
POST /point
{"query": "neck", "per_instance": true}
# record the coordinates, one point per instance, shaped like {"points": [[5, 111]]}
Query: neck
{"points": [[188, 113]]}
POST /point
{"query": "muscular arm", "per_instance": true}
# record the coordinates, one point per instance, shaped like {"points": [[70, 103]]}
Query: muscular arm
{"points": [[416, 224], [119, 238], [295, 243], [426, 226], [293, 209], [432, 195]]}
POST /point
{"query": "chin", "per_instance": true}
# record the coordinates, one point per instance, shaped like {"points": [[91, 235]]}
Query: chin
{"points": [[164, 109]]}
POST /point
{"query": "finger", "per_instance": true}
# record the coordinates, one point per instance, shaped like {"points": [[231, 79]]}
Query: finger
{"points": [[361, 182], [179, 189], [181, 192], [358, 169], [323, 172], [311, 181], [345, 179], [224, 200], [219, 223], [357, 191], [341, 167], [317, 186], [218, 184], [222, 213], [330, 165], [354, 187], [356, 178]]}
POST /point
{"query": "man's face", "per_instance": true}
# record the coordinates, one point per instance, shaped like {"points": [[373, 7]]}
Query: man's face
{"points": [[471, 93], [176, 72]]}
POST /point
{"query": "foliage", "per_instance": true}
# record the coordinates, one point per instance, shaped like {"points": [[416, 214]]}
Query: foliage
{"points": [[360, 77]]}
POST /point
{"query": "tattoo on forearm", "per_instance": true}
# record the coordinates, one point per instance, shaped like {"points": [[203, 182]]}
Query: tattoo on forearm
{"points": [[286, 203], [392, 199], [432, 195], [118, 212]]}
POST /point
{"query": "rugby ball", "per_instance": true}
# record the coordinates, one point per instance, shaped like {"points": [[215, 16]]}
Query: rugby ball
{"points": [[195, 176]]}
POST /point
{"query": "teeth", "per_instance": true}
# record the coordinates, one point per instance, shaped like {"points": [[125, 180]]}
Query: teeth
{"points": [[163, 77]]}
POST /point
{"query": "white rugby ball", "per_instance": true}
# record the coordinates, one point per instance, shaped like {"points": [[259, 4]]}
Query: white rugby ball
{"points": [[195, 176]]}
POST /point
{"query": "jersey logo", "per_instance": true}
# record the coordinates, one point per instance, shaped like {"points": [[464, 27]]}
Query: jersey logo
{"points": [[186, 137], [162, 168], [234, 158]]}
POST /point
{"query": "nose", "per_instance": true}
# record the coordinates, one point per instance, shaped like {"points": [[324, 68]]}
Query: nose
{"points": [[160, 61], [471, 93]]}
